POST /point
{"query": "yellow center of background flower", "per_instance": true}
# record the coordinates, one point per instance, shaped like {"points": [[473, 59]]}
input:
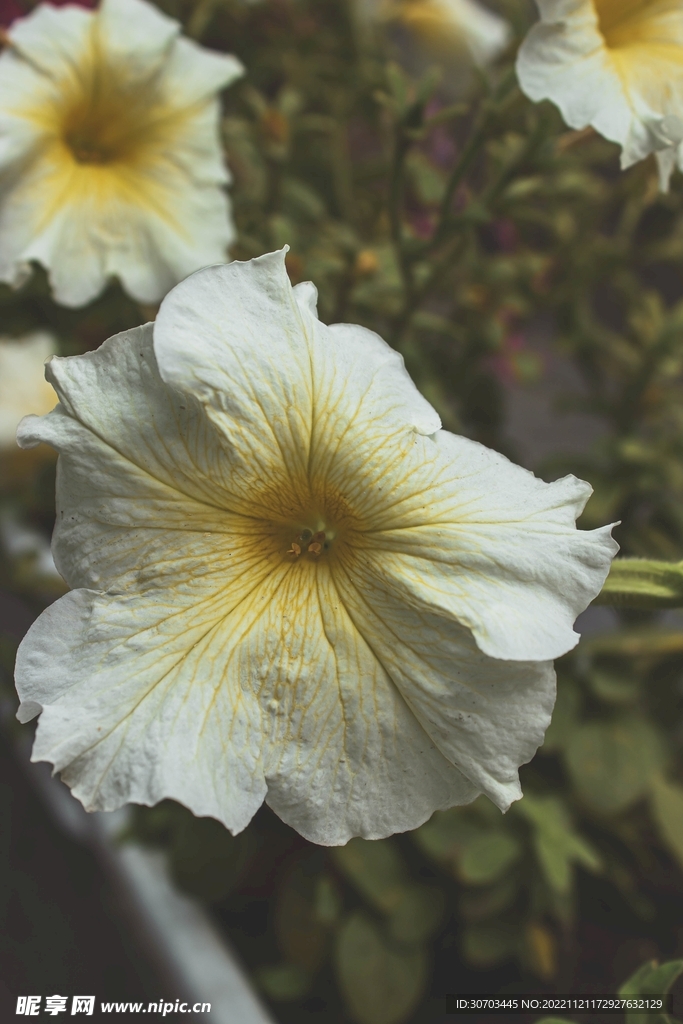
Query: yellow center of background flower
{"points": [[105, 120], [109, 139], [632, 22], [429, 21]]}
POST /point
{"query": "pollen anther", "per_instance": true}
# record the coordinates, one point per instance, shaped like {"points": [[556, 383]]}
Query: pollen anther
{"points": [[309, 543]]}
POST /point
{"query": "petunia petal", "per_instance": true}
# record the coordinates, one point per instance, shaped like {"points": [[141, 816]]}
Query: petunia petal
{"points": [[621, 74], [19, 135], [137, 706], [563, 58], [53, 39], [344, 754], [460, 530], [192, 74], [120, 490], [137, 33], [487, 716], [236, 338]]}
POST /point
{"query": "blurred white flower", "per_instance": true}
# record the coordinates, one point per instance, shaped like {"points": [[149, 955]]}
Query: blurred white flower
{"points": [[30, 553], [290, 583], [448, 27], [616, 65], [109, 151], [23, 388]]}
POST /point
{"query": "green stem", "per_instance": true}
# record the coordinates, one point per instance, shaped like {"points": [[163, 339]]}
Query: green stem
{"points": [[468, 155], [198, 21], [643, 583], [396, 192], [461, 168]]}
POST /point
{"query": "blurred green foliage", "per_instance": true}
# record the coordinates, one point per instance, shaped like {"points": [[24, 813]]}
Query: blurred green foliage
{"points": [[652, 979], [481, 239]]}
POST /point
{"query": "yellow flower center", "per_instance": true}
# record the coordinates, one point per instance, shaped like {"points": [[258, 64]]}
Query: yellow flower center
{"points": [[104, 121], [630, 22], [429, 21], [308, 522]]}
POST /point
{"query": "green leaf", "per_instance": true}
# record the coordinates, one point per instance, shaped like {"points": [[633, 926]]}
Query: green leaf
{"points": [[301, 201], [418, 915], [488, 943], [636, 643], [666, 802], [427, 180], [376, 869], [283, 982], [204, 858], [446, 832], [488, 856], [399, 86], [554, 1020], [558, 847], [382, 984], [612, 762], [613, 688], [652, 979], [302, 936], [643, 583], [478, 904], [428, 321], [565, 716], [328, 902]]}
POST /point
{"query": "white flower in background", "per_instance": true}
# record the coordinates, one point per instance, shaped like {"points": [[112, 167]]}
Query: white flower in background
{"points": [[23, 388], [616, 65], [289, 583], [110, 159], [29, 552], [446, 27]]}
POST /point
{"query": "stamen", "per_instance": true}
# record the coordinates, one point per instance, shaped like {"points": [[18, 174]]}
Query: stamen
{"points": [[310, 543]]}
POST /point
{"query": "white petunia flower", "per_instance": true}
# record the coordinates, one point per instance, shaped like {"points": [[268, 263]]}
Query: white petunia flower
{"points": [[616, 65], [23, 388], [109, 151], [448, 27], [29, 550], [289, 583]]}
